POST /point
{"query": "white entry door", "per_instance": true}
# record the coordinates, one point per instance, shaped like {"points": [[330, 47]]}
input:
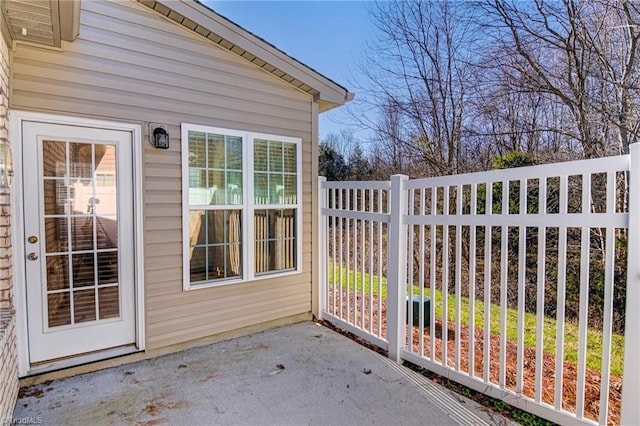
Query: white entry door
{"points": [[78, 220]]}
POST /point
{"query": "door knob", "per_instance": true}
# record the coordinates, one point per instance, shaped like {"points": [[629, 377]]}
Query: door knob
{"points": [[32, 239], [32, 256]]}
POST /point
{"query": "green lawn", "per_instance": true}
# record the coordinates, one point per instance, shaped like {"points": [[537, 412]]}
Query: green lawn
{"points": [[594, 337]]}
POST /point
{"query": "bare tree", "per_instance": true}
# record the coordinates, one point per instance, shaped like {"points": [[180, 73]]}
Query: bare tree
{"points": [[417, 78], [580, 54]]}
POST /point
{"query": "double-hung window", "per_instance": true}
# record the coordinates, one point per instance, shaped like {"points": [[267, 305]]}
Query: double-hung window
{"points": [[240, 205]]}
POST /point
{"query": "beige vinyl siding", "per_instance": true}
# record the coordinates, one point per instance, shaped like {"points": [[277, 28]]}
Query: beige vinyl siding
{"points": [[131, 65]]}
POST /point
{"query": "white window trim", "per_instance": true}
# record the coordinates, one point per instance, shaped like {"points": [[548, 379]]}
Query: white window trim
{"points": [[248, 206]]}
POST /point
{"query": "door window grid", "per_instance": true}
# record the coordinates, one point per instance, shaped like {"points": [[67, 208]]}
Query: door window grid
{"points": [[82, 275]]}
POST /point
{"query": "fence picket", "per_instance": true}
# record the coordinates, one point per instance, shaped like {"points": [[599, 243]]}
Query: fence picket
{"points": [[522, 259], [630, 414], [445, 279], [410, 282], [585, 242], [421, 313], [472, 282], [561, 295], [488, 234], [504, 264], [458, 282], [540, 293], [433, 281]]}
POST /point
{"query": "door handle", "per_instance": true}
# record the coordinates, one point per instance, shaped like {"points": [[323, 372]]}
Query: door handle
{"points": [[32, 256]]}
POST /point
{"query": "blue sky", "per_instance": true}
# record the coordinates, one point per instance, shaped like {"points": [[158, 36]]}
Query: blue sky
{"points": [[328, 36]]}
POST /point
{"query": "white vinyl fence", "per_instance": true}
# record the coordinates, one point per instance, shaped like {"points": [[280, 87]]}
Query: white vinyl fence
{"points": [[511, 282]]}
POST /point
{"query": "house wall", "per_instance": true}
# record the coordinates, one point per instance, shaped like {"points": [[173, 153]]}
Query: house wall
{"points": [[131, 65], [8, 354]]}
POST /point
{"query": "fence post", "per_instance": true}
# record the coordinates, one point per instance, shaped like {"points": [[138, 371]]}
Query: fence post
{"points": [[397, 268], [323, 235], [631, 374]]}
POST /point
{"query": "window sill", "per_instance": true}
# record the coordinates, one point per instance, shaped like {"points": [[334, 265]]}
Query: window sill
{"points": [[261, 277]]}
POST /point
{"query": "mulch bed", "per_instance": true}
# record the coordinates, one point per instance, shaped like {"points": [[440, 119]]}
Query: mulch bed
{"points": [[569, 370]]}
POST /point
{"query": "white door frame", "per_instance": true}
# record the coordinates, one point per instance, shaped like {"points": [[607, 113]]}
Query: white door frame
{"points": [[16, 118]]}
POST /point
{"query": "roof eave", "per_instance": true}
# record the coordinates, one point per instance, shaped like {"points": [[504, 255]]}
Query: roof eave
{"points": [[199, 18], [324, 106]]}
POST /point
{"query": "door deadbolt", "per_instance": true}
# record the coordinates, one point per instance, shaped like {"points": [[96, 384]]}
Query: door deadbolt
{"points": [[32, 239], [32, 256]]}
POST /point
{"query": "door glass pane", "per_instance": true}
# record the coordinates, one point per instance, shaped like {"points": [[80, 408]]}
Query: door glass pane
{"points": [[105, 197], [54, 158], [56, 234], [106, 232], [55, 196], [59, 309], [108, 268], [108, 302], [81, 196], [57, 272], [81, 233], [80, 160], [84, 305], [83, 271]]}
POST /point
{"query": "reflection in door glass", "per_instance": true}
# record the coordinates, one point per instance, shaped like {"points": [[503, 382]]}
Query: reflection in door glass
{"points": [[81, 231]]}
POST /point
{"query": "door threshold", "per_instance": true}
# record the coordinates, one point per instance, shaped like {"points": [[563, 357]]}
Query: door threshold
{"points": [[74, 361]]}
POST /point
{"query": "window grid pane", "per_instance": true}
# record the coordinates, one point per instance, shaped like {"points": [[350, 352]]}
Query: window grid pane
{"points": [[275, 172], [275, 245], [215, 244], [215, 165]]}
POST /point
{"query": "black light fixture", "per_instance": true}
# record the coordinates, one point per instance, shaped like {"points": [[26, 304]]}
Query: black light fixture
{"points": [[158, 135]]}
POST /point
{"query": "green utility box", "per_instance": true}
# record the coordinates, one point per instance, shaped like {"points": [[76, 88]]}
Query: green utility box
{"points": [[426, 303]]}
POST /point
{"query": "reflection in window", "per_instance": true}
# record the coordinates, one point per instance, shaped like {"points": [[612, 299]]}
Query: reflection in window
{"points": [[275, 232], [215, 244], [214, 176], [80, 231]]}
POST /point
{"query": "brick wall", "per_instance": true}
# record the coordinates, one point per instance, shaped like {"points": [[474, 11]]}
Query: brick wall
{"points": [[8, 353], [8, 366]]}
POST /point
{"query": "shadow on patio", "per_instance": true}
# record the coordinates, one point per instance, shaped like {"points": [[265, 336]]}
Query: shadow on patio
{"points": [[300, 374]]}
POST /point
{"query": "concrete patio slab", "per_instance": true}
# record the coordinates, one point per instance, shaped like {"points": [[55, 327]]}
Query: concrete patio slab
{"points": [[300, 374]]}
